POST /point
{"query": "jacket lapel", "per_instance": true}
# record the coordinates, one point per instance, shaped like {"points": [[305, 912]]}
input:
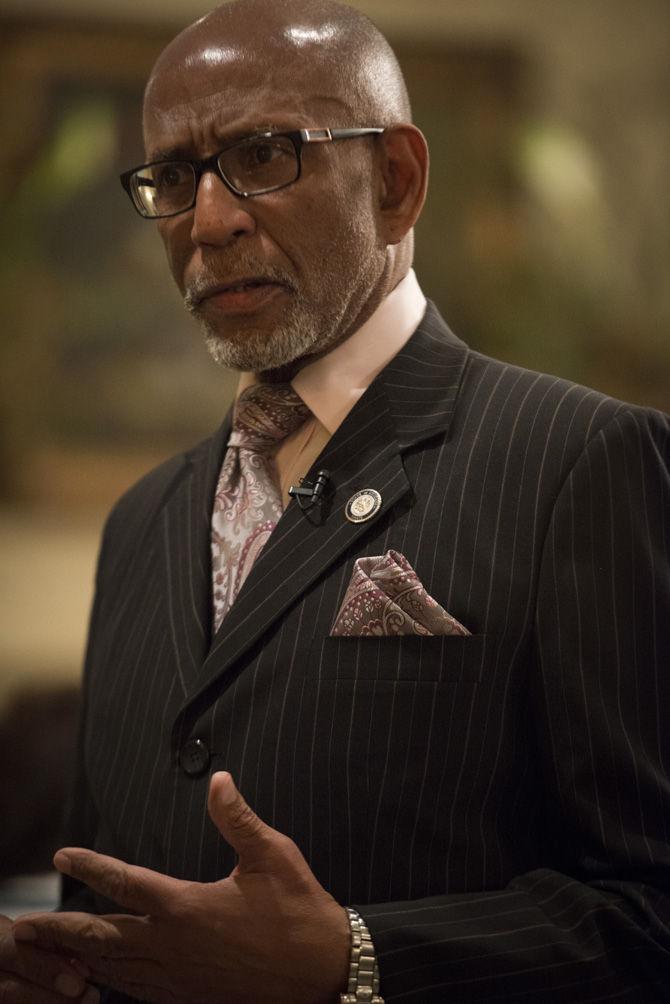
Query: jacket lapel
{"points": [[184, 547], [423, 381], [410, 401]]}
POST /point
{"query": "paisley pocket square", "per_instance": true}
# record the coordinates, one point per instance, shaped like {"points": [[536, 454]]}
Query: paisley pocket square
{"points": [[385, 597]]}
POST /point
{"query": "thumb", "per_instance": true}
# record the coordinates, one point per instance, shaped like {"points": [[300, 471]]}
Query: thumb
{"points": [[237, 823]]}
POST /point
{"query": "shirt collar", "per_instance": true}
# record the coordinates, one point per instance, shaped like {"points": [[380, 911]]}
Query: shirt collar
{"points": [[331, 385]]}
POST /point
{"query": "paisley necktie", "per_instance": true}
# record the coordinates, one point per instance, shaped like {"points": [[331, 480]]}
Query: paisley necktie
{"points": [[247, 504]]}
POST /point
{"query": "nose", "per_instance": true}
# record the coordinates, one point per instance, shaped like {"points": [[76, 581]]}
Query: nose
{"points": [[219, 216]]}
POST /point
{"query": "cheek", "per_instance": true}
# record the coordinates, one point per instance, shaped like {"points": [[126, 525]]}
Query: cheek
{"points": [[335, 207], [334, 224], [178, 248]]}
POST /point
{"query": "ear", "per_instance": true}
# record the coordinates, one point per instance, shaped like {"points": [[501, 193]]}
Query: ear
{"points": [[404, 179]]}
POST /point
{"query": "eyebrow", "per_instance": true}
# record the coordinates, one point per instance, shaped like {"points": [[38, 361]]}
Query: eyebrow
{"points": [[176, 153], [184, 153]]}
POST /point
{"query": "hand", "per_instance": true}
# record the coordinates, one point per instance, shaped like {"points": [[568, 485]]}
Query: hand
{"points": [[31, 976], [268, 932]]}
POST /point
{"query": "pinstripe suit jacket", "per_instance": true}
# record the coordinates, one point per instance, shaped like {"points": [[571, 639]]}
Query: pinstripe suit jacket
{"points": [[497, 806]]}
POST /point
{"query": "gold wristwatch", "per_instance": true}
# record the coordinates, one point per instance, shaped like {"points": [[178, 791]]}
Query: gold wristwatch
{"points": [[363, 987]]}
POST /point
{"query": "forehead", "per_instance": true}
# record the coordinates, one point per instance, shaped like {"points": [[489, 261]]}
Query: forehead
{"points": [[221, 92]]}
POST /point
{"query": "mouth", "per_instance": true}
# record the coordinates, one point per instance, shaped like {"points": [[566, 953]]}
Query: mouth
{"points": [[243, 295]]}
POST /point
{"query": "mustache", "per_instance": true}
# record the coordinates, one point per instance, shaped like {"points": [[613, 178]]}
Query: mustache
{"points": [[212, 278]]}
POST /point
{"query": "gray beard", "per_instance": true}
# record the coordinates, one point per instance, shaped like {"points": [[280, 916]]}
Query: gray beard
{"points": [[255, 351], [307, 329], [297, 335]]}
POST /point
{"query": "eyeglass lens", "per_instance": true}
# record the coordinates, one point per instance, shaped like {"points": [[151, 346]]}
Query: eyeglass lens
{"points": [[251, 167]]}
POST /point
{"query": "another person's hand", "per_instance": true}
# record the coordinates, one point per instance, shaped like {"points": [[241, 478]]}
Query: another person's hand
{"points": [[266, 933], [29, 975]]}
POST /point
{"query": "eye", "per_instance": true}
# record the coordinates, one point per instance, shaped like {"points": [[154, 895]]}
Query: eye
{"points": [[263, 152], [171, 175], [259, 164]]}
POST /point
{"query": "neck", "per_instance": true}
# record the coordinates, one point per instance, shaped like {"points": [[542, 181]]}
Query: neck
{"points": [[398, 263]]}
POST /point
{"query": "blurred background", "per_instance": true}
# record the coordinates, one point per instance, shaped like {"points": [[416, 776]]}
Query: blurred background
{"points": [[545, 241]]}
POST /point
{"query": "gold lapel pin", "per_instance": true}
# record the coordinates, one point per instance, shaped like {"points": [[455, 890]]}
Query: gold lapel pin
{"points": [[363, 505]]}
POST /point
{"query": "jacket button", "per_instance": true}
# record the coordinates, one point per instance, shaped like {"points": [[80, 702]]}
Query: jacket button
{"points": [[194, 757]]}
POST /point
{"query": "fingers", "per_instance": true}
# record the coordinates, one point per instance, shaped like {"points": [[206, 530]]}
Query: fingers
{"points": [[25, 968], [233, 818], [257, 844], [17, 991], [116, 948], [83, 934], [136, 889]]}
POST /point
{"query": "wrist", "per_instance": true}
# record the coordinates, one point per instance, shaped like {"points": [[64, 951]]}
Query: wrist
{"points": [[363, 981]]}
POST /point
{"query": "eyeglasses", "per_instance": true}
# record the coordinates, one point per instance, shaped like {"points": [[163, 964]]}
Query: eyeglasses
{"points": [[251, 166]]}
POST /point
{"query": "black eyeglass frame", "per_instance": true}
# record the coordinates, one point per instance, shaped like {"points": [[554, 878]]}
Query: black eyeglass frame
{"points": [[298, 137]]}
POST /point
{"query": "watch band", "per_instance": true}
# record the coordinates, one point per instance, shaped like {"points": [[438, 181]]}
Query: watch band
{"points": [[363, 970]]}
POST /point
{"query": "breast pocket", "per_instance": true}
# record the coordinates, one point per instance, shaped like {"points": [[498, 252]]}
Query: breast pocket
{"points": [[450, 659], [397, 718]]}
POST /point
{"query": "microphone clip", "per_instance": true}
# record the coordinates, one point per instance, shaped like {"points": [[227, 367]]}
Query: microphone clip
{"points": [[310, 493]]}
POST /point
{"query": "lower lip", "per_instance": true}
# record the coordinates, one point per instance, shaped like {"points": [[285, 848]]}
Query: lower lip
{"points": [[244, 301]]}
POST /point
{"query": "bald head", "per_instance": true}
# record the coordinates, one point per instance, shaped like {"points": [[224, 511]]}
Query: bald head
{"points": [[308, 42]]}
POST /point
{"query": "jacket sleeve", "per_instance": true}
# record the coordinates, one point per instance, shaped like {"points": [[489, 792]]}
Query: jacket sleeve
{"points": [[597, 928], [134, 514], [81, 813]]}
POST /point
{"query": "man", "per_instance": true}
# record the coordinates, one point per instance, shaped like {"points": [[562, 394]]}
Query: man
{"points": [[491, 797]]}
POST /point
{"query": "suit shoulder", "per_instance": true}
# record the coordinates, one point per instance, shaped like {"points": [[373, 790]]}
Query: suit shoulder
{"points": [[516, 399], [140, 503], [148, 490], [550, 403]]}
